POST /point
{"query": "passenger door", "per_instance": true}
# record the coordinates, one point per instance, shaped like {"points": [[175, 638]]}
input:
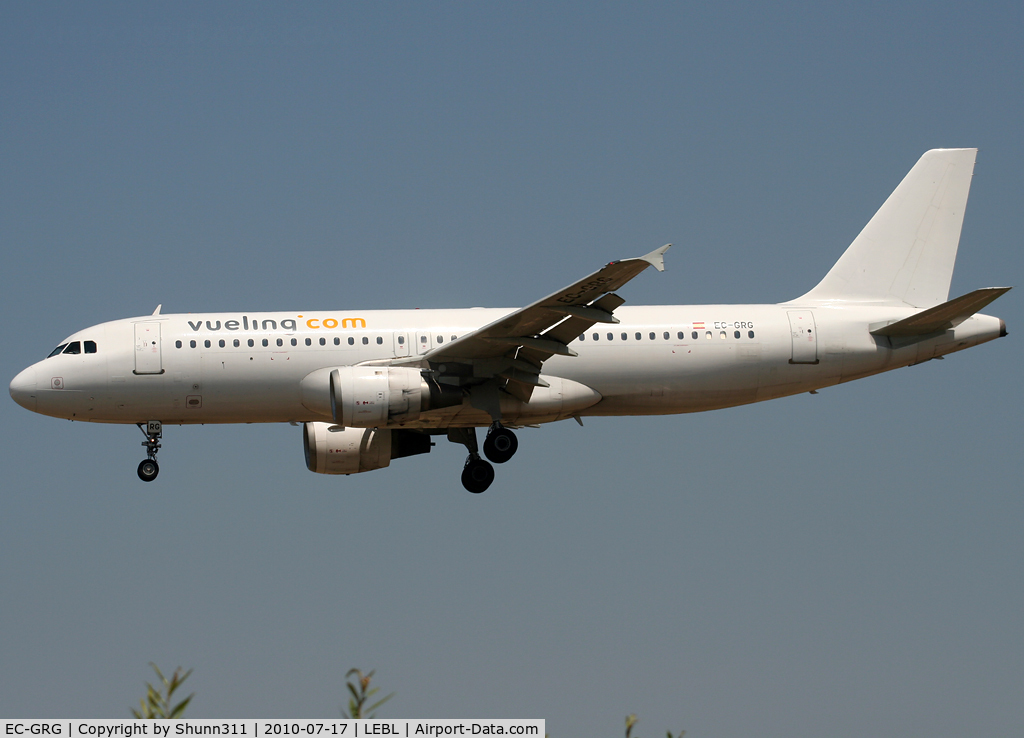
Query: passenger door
{"points": [[804, 336], [147, 349]]}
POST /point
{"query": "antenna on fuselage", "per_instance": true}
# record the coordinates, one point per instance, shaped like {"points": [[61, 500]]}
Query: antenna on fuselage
{"points": [[157, 311]]}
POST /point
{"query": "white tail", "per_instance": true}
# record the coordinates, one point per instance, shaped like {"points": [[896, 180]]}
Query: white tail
{"points": [[906, 252]]}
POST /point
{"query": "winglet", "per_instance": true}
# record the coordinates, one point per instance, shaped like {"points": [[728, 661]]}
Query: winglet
{"points": [[657, 257], [157, 311]]}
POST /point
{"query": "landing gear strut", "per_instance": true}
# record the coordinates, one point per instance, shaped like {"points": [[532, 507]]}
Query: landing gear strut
{"points": [[153, 431], [477, 475], [501, 444]]}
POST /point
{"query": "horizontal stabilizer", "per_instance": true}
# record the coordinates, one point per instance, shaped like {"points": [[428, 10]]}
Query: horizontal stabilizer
{"points": [[942, 317]]}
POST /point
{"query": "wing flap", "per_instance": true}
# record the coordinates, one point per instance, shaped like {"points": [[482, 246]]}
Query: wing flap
{"points": [[569, 329]]}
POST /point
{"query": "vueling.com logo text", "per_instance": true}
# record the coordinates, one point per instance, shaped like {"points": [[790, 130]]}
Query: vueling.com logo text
{"points": [[270, 324]]}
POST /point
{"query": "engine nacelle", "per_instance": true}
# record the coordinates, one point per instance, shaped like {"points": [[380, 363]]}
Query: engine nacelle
{"points": [[374, 396], [330, 449]]}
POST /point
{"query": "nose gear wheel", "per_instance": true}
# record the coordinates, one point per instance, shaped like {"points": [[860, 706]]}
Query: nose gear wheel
{"points": [[148, 469], [153, 431]]}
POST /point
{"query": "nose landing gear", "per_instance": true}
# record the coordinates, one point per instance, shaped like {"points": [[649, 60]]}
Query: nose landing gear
{"points": [[153, 431]]}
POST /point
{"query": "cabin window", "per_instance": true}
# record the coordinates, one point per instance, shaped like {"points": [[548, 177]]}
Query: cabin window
{"points": [[750, 334], [454, 337], [423, 339], [597, 336], [323, 341], [694, 335], [57, 350], [351, 341], [366, 341], [624, 336], [666, 335], [251, 343], [639, 335], [206, 344], [266, 342], [401, 340], [583, 336], [177, 344], [236, 343], [680, 335], [221, 343], [337, 341], [611, 336], [280, 342], [708, 335], [736, 334], [440, 339], [296, 343], [651, 336], [75, 347], [380, 340], [192, 344], [722, 334]]}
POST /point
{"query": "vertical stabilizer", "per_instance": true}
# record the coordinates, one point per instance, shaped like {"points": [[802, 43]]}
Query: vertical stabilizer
{"points": [[906, 252]]}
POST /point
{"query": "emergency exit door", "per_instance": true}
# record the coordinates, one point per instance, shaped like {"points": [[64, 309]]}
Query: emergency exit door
{"points": [[804, 336], [147, 349], [401, 344]]}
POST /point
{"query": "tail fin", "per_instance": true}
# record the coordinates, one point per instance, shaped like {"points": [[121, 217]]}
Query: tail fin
{"points": [[906, 252]]}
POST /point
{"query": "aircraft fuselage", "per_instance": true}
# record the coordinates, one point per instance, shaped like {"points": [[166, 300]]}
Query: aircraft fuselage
{"points": [[249, 367]]}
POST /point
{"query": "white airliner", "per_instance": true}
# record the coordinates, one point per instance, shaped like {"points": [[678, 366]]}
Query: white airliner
{"points": [[375, 385]]}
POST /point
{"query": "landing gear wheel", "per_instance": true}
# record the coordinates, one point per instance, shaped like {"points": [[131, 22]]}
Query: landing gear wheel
{"points": [[500, 445], [148, 469], [153, 431], [477, 476]]}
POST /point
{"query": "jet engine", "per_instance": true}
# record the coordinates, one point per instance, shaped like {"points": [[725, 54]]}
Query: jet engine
{"points": [[331, 449], [374, 396]]}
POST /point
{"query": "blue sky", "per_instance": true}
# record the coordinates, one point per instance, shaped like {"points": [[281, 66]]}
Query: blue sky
{"points": [[835, 564]]}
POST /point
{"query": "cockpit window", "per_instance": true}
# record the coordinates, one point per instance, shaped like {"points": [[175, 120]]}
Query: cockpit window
{"points": [[57, 350], [75, 347], [90, 347]]}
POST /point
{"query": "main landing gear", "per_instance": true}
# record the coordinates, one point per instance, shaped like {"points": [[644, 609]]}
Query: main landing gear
{"points": [[477, 475], [499, 446], [153, 431]]}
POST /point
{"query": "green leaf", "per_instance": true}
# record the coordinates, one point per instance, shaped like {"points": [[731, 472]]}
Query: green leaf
{"points": [[180, 707]]}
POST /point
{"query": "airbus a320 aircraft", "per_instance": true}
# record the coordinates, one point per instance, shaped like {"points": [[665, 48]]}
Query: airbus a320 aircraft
{"points": [[376, 385]]}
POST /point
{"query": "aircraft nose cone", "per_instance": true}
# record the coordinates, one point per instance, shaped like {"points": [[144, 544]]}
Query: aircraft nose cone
{"points": [[23, 389]]}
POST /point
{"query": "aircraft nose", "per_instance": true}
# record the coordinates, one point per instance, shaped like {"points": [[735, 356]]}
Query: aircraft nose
{"points": [[23, 389]]}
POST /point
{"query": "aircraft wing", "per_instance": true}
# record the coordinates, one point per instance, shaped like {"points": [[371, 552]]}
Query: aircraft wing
{"points": [[514, 347]]}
